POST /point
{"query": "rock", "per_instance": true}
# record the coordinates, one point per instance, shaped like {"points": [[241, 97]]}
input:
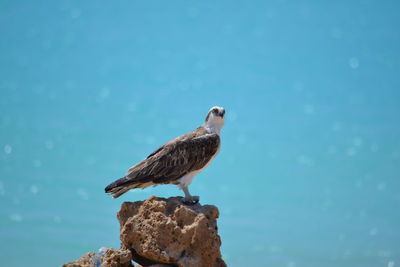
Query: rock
{"points": [[96, 259], [165, 231], [161, 232], [117, 258], [111, 258], [85, 261]]}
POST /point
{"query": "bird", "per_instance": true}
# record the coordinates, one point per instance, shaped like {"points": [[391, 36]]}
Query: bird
{"points": [[177, 161]]}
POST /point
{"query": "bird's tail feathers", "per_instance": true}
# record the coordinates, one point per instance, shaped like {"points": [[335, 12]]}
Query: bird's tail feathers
{"points": [[123, 185]]}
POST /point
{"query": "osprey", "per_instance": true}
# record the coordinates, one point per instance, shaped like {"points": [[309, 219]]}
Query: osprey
{"points": [[177, 161]]}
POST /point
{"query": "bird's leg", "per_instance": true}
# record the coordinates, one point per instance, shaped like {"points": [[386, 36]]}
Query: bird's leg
{"points": [[189, 199]]}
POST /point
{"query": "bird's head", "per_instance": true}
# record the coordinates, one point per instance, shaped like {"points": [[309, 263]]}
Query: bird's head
{"points": [[215, 119]]}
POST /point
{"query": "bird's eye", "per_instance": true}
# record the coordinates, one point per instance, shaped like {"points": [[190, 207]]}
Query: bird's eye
{"points": [[215, 110]]}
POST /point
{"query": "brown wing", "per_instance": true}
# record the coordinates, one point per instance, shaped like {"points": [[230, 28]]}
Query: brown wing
{"points": [[175, 159]]}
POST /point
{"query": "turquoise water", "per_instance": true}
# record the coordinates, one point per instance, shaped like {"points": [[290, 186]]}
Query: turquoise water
{"points": [[308, 173]]}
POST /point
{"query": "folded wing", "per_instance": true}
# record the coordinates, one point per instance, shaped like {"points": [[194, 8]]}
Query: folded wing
{"points": [[168, 163]]}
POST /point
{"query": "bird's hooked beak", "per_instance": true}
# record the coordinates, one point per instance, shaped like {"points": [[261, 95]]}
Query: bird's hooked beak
{"points": [[216, 113], [215, 119], [221, 112]]}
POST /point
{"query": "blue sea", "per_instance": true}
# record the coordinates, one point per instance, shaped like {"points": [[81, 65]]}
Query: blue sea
{"points": [[309, 170]]}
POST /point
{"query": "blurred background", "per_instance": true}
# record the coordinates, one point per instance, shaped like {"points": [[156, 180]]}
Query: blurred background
{"points": [[308, 173]]}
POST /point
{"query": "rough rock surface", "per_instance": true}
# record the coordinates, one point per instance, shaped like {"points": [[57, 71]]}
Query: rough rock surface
{"points": [[164, 231], [117, 258], [161, 232], [111, 258], [85, 261]]}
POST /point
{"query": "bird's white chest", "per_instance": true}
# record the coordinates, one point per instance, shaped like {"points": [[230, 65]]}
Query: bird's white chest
{"points": [[186, 180]]}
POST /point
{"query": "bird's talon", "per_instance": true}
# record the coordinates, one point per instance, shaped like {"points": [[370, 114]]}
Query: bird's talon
{"points": [[191, 201], [196, 199]]}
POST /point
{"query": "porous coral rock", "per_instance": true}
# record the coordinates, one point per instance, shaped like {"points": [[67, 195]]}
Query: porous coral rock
{"points": [[165, 231], [111, 258]]}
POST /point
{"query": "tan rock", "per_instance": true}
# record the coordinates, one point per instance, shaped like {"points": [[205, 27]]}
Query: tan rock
{"points": [[164, 231], [85, 261], [111, 258], [117, 258]]}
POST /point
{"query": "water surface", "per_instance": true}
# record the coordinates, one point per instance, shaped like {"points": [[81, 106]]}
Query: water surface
{"points": [[308, 173]]}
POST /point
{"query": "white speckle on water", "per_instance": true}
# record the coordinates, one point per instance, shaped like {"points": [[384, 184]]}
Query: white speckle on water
{"points": [[258, 32], [308, 109], [337, 126], [34, 189], [373, 231], [37, 163], [57, 219], [357, 141], [91, 160], [353, 63], [47, 44], [336, 34], [381, 186], [259, 248], [132, 107], [305, 160], [150, 140], [7, 149], [183, 85], [291, 264], [298, 86], [332, 149], [15, 217], [351, 151], [49, 144], [274, 249], [197, 84], [384, 253], [228, 29], [103, 94], [75, 13], [201, 65], [390, 264], [347, 252], [82, 194], [326, 204], [193, 12], [374, 148], [271, 13], [362, 213]]}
